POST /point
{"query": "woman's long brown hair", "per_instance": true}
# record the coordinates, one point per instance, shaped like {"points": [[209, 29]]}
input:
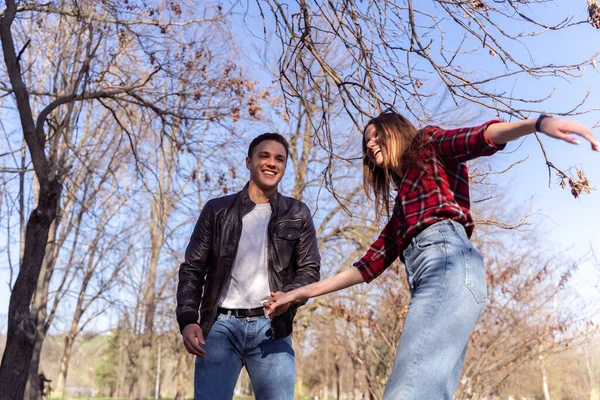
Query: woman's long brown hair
{"points": [[395, 134]]}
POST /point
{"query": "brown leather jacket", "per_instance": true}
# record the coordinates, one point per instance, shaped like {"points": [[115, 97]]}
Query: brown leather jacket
{"points": [[293, 256]]}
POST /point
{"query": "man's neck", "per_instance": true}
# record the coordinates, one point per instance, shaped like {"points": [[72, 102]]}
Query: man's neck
{"points": [[257, 195]]}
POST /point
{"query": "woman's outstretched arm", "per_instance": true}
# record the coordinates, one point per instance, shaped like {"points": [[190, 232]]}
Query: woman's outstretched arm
{"points": [[504, 132], [347, 278]]}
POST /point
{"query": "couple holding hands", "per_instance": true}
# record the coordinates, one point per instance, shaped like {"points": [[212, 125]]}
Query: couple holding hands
{"points": [[253, 258]]}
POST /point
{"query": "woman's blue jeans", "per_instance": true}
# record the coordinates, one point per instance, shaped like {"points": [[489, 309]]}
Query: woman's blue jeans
{"points": [[446, 276], [236, 342]]}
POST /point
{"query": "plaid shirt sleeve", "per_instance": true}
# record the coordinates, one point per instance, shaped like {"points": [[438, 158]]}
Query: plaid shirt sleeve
{"points": [[463, 144], [381, 254]]}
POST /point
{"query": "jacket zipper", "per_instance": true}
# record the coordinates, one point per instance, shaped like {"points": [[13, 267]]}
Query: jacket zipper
{"points": [[269, 250], [238, 234]]}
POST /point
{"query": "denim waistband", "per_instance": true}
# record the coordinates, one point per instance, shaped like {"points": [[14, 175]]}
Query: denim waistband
{"points": [[446, 225], [242, 313]]}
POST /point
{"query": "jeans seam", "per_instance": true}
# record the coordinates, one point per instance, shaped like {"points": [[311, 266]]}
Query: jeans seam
{"points": [[428, 331], [228, 337], [470, 285]]}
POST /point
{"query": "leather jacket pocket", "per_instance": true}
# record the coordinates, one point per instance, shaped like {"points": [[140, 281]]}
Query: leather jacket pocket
{"points": [[285, 239], [283, 325], [288, 229], [285, 233]]}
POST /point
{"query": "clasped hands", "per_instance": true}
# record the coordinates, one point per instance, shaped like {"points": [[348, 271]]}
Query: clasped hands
{"points": [[279, 303], [193, 338]]}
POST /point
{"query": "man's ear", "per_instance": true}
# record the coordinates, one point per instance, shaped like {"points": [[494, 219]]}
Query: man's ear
{"points": [[248, 163]]}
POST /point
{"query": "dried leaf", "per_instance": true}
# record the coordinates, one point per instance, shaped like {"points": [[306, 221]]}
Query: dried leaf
{"points": [[594, 13], [479, 5]]}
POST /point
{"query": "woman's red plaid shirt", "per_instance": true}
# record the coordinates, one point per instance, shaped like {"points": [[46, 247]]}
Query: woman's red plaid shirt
{"points": [[436, 188]]}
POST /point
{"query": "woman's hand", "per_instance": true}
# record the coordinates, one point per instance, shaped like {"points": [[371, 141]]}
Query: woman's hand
{"points": [[568, 130], [280, 302], [504, 132]]}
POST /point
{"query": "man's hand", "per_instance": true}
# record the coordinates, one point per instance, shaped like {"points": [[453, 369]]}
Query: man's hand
{"points": [[280, 302], [192, 339]]}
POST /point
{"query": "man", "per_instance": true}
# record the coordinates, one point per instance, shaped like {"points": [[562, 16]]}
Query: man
{"points": [[44, 391], [246, 247]]}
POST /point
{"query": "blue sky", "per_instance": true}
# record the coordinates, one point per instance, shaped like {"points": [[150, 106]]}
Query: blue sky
{"points": [[571, 224]]}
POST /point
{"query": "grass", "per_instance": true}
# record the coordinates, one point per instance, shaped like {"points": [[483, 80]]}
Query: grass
{"points": [[162, 398]]}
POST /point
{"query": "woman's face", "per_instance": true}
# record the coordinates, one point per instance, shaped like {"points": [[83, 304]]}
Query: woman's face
{"points": [[373, 145]]}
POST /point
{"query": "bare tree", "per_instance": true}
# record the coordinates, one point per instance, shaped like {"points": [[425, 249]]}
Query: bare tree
{"points": [[112, 61], [106, 254], [163, 195], [406, 53], [21, 328], [521, 323], [151, 71], [93, 176]]}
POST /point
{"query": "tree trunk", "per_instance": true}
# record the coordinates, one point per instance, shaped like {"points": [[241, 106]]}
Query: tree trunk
{"points": [[157, 386], [356, 389], [121, 369], [544, 379], [22, 332], [146, 349], [181, 367], [594, 390], [61, 382], [327, 365], [159, 211], [150, 308], [338, 387], [145, 366], [70, 337], [39, 311], [22, 201], [32, 389], [21, 335]]}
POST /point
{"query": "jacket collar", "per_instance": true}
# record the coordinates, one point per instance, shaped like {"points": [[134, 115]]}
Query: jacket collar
{"points": [[248, 204]]}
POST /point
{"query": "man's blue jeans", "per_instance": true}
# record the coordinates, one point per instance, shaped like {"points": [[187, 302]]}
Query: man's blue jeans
{"points": [[236, 342], [446, 276]]}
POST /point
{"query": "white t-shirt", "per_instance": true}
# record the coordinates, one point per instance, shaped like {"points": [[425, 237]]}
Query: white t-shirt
{"points": [[248, 286]]}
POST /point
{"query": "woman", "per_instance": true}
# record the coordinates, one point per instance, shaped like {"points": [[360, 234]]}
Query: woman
{"points": [[429, 230]]}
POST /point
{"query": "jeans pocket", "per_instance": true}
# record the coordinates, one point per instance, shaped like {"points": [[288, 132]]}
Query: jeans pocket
{"points": [[430, 239], [221, 317], [475, 274]]}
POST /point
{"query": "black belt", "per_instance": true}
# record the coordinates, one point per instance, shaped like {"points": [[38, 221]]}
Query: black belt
{"points": [[242, 313]]}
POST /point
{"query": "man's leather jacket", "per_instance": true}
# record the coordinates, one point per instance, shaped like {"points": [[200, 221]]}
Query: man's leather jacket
{"points": [[293, 256]]}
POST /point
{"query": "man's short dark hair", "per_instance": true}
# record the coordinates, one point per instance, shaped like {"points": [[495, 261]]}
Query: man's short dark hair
{"points": [[269, 136]]}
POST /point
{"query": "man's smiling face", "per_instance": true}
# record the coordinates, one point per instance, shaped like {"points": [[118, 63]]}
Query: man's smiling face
{"points": [[267, 165]]}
